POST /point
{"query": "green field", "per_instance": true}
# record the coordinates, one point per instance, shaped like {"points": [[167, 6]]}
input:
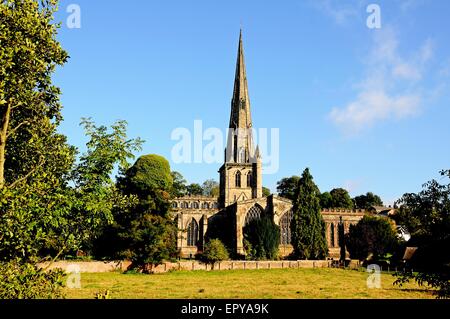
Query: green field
{"points": [[235, 284]]}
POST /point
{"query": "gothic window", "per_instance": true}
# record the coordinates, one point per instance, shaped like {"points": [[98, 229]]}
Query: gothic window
{"points": [[195, 205], [192, 233], [184, 205], [285, 228], [249, 179], [332, 235], [174, 205], [254, 213], [238, 179], [205, 206]]}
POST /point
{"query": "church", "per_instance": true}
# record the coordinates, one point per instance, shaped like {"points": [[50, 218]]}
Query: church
{"points": [[241, 198]]}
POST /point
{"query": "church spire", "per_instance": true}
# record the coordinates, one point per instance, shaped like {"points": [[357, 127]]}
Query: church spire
{"points": [[240, 103], [240, 140]]}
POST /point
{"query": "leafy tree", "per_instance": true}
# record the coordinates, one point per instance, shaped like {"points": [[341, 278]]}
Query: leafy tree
{"points": [[144, 232], [150, 240], [149, 173], [341, 198], [427, 217], [214, 251], [286, 187], [308, 226], [210, 188], [371, 236], [27, 281], [178, 185], [266, 191], [366, 201], [262, 238], [30, 109], [326, 200], [194, 189]]}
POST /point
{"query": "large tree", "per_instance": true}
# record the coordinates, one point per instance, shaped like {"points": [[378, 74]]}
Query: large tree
{"points": [[326, 200], [308, 226], [194, 189], [145, 232], [427, 216], [179, 185], [210, 188], [286, 187], [262, 238], [30, 109], [341, 198], [367, 201], [373, 237]]}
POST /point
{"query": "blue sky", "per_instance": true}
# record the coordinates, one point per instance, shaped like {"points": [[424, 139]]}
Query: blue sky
{"points": [[365, 109]]}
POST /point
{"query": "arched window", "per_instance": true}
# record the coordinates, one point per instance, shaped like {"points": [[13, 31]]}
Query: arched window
{"points": [[205, 205], [192, 233], [238, 179], [195, 205], [285, 228], [254, 213], [249, 179], [184, 205], [332, 235], [174, 205]]}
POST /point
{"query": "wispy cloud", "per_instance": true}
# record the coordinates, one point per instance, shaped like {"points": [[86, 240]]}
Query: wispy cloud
{"points": [[340, 11], [390, 88]]}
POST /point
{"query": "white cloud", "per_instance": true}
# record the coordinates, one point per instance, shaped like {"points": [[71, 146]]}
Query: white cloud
{"points": [[390, 88], [340, 11]]}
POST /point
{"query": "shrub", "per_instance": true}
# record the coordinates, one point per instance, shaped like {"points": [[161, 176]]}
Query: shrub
{"points": [[371, 236], [27, 281], [262, 238], [214, 251]]}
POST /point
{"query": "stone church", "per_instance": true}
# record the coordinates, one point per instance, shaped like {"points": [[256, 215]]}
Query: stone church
{"points": [[241, 199]]}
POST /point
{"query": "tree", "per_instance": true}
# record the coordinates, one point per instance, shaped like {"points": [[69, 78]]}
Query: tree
{"points": [[326, 200], [149, 173], [427, 217], [178, 185], [308, 226], [286, 187], [367, 201], [266, 191], [144, 232], [210, 188], [30, 109], [214, 251], [194, 189], [262, 238], [150, 240], [372, 235], [341, 198]]}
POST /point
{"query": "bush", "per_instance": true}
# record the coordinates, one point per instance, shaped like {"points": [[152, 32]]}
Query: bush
{"points": [[214, 251], [371, 236], [262, 239], [27, 281]]}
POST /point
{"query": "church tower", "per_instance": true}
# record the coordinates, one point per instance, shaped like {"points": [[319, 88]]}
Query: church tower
{"points": [[241, 174]]}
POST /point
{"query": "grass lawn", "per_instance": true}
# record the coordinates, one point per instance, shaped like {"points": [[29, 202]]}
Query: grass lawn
{"points": [[235, 284]]}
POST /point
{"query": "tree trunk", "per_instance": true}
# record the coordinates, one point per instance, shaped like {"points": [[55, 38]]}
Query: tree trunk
{"points": [[3, 137]]}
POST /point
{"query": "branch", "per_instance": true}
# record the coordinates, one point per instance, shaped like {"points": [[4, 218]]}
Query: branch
{"points": [[12, 131], [23, 178]]}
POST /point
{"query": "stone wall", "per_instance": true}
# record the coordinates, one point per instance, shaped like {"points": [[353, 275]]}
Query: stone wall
{"points": [[98, 266]]}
